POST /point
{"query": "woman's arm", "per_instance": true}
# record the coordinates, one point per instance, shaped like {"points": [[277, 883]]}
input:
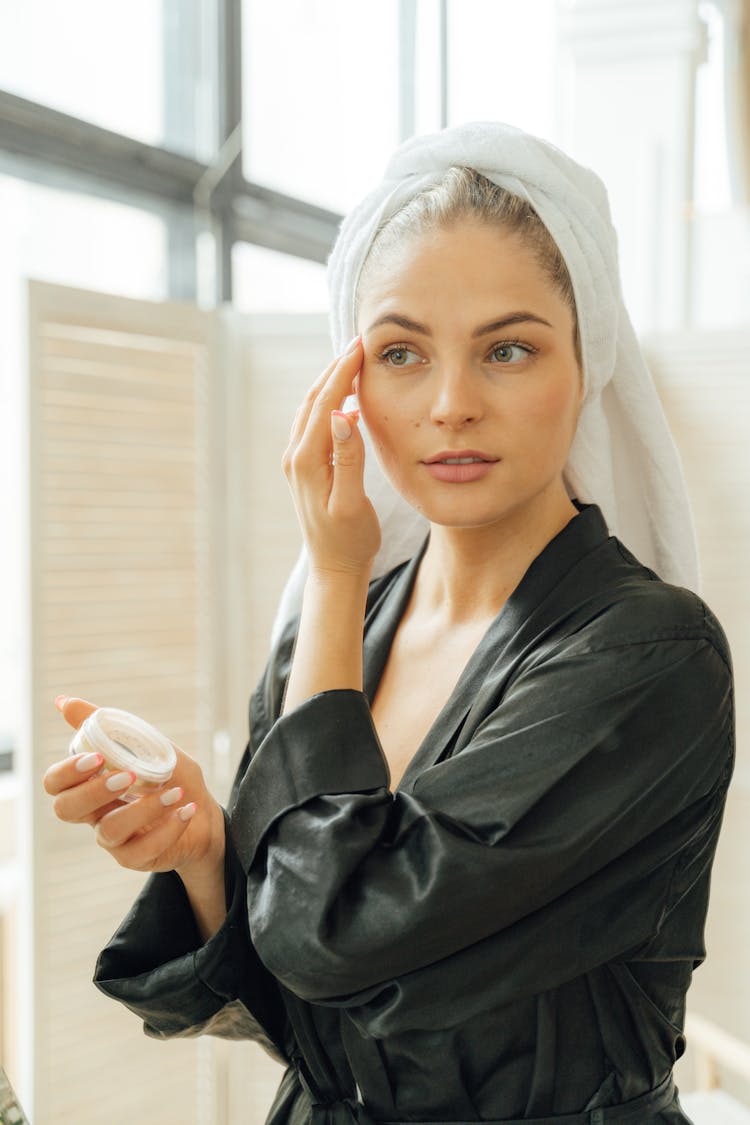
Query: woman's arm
{"points": [[341, 532], [160, 967], [148, 834], [328, 651], [578, 815], [205, 892], [182, 959]]}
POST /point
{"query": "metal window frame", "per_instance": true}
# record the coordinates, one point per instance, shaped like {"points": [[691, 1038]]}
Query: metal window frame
{"points": [[44, 145]]}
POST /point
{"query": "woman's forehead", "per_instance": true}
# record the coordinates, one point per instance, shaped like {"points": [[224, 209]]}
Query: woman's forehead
{"points": [[429, 274]]}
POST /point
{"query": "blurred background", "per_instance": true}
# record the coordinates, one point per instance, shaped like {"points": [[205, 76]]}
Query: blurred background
{"points": [[172, 177]]}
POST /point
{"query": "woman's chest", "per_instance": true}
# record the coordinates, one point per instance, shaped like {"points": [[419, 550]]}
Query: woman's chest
{"points": [[417, 681]]}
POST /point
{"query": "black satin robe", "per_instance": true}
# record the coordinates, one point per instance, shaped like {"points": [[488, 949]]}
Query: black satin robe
{"points": [[511, 933]]}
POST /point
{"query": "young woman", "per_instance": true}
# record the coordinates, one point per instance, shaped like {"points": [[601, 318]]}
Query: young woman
{"points": [[464, 871]]}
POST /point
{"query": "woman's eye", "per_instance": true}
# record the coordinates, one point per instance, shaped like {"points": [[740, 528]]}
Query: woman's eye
{"points": [[507, 353], [396, 356]]}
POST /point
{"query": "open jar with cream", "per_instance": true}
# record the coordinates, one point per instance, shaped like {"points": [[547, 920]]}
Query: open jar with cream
{"points": [[127, 742]]}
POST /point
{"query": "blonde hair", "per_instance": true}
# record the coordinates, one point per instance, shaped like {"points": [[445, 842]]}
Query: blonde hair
{"points": [[462, 193]]}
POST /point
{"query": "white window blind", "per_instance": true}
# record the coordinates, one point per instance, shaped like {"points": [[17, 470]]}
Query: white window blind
{"points": [[161, 531], [268, 361], [121, 598], [704, 382]]}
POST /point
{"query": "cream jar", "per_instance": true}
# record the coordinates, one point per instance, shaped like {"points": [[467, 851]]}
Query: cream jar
{"points": [[127, 743]]}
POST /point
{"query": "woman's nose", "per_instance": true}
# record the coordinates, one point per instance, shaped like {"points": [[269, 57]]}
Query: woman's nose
{"points": [[456, 397]]}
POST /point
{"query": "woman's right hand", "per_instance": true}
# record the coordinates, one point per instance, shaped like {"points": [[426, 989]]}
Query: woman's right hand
{"points": [[179, 827]]}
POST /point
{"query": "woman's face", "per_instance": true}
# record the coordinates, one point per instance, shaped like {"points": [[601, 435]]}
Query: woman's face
{"points": [[468, 347]]}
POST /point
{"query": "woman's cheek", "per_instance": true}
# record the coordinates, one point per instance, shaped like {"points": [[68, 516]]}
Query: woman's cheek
{"points": [[388, 441], [554, 409]]}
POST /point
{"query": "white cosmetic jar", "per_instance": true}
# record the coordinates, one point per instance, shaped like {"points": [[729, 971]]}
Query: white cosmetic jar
{"points": [[127, 743]]}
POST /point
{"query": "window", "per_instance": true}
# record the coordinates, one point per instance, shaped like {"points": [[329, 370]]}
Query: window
{"points": [[320, 104], [82, 241], [712, 188], [136, 67], [501, 63], [269, 281]]}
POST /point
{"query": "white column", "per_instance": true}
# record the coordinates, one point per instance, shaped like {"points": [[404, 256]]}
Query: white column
{"points": [[626, 109]]}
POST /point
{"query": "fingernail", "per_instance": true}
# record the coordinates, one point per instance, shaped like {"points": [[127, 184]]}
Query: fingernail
{"points": [[352, 344], [172, 796], [60, 701], [187, 811], [88, 762], [340, 425], [119, 781]]}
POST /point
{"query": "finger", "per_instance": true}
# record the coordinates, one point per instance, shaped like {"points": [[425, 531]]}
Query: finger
{"points": [[142, 852], [303, 410], [312, 422], [76, 771], [71, 771], [347, 490], [133, 819], [341, 380], [74, 710], [83, 803]]}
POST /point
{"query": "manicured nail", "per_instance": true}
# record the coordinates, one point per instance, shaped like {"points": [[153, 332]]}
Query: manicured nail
{"points": [[352, 344], [187, 811], [120, 781], [172, 796], [60, 701], [88, 762], [340, 425]]}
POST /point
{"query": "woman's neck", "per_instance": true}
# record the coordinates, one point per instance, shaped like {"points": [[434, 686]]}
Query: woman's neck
{"points": [[467, 573]]}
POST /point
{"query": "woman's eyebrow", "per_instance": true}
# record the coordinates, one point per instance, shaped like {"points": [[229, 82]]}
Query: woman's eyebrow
{"points": [[511, 318], [401, 321], [414, 326]]}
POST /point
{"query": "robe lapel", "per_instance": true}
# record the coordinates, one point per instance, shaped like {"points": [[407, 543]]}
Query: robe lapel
{"points": [[528, 612], [382, 619]]}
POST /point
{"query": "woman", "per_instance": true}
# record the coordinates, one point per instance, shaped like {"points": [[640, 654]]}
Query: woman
{"points": [[464, 870]]}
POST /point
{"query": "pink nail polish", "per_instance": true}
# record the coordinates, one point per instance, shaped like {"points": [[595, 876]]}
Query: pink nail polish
{"points": [[172, 796], [119, 781], [88, 762], [187, 811], [340, 425]]}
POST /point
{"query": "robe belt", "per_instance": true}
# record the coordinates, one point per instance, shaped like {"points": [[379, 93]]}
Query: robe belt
{"points": [[350, 1111]]}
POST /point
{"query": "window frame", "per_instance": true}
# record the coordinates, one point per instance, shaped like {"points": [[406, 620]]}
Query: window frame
{"points": [[43, 145]]}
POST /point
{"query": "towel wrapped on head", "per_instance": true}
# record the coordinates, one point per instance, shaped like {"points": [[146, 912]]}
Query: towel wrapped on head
{"points": [[623, 457]]}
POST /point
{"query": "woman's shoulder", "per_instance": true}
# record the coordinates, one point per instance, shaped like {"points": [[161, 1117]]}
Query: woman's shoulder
{"points": [[630, 603]]}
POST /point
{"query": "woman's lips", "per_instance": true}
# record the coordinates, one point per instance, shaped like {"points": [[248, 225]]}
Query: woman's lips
{"points": [[459, 474]]}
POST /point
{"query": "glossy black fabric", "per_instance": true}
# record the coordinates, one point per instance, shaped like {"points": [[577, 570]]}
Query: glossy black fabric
{"points": [[509, 935]]}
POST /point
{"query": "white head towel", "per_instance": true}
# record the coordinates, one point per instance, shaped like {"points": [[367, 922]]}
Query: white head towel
{"points": [[623, 457]]}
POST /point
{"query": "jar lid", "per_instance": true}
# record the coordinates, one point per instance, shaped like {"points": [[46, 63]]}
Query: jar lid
{"points": [[127, 742]]}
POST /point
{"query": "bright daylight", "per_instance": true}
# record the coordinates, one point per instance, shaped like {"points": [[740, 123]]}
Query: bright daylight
{"points": [[374, 617]]}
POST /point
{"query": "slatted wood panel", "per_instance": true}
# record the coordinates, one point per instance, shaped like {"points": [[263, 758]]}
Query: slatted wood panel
{"points": [[270, 361], [715, 1108], [704, 382], [122, 472]]}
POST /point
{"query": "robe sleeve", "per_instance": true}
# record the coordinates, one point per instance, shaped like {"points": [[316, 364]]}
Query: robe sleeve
{"points": [[157, 964], [579, 814]]}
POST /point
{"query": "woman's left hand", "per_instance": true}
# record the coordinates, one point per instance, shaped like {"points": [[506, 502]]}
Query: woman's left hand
{"points": [[339, 524]]}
